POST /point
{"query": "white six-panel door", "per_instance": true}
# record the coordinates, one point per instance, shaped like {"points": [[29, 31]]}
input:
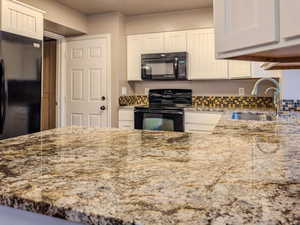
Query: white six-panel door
{"points": [[87, 83]]}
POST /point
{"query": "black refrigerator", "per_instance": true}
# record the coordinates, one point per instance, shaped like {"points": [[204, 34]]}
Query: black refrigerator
{"points": [[20, 85]]}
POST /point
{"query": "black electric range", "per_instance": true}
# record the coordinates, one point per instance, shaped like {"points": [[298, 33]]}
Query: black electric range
{"points": [[165, 111]]}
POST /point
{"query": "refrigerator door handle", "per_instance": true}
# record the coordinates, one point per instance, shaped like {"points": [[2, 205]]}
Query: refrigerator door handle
{"points": [[4, 96]]}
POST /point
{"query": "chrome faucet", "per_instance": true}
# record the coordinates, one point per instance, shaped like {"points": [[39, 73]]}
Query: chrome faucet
{"points": [[276, 96]]}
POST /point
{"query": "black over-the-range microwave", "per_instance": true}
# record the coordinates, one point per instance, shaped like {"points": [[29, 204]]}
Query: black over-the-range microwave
{"points": [[164, 66]]}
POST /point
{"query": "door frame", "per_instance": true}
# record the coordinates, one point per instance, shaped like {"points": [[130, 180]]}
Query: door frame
{"points": [[59, 75], [63, 78]]}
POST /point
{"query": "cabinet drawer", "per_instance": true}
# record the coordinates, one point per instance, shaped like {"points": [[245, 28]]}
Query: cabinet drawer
{"points": [[126, 114], [126, 125], [199, 128], [202, 118]]}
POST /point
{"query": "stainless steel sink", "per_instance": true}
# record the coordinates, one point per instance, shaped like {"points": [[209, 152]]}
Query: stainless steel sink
{"points": [[252, 116]]}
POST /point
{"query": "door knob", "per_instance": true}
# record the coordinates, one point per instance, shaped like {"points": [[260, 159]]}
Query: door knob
{"points": [[102, 108], [103, 98]]}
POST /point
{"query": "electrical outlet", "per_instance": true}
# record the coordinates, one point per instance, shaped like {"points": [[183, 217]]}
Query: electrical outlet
{"points": [[124, 91], [147, 91], [241, 91]]}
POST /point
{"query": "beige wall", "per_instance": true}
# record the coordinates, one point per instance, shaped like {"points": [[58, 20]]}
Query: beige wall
{"points": [[206, 87], [113, 23], [60, 14], [171, 21]]}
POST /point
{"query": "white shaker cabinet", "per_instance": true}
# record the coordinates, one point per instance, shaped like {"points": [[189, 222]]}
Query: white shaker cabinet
{"points": [[243, 24], [290, 17], [134, 52], [176, 41], [239, 69], [202, 62], [138, 45], [126, 118], [201, 122], [21, 19], [258, 30], [153, 43]]}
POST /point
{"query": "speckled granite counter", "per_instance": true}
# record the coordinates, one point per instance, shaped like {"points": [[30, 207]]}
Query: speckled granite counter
{"points": [[245, 173]]}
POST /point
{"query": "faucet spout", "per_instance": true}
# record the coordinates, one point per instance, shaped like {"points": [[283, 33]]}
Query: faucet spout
{"points": [[276, 89], [255, 88]]}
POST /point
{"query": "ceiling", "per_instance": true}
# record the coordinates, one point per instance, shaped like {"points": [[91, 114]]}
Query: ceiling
{"points": [[134, 7]]}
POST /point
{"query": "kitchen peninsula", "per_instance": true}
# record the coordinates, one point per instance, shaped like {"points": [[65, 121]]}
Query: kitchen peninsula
{"points": [[243, 173]]}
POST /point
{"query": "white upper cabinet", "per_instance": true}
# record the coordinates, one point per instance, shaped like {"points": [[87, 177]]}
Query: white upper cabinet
{"points": [[176, 41], [290, 16], [22, 19], [239, 69], [258, 30], [243, 24], [202, 62], [134, 52], [153, 43], [200, 46]]}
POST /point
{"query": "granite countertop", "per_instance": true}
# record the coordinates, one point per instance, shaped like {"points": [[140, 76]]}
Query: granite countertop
{"points": [[245, 173]]}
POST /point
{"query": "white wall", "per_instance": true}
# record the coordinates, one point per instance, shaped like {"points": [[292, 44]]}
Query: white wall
{"points": [[290, 85]]}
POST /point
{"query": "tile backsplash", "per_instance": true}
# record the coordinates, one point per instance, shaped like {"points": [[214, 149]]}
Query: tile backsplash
{"points": [[290, 105], [209, 101]]}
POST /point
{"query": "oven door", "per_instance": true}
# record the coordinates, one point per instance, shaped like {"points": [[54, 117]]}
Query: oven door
{"points": [[159, 69], [163, 120]]}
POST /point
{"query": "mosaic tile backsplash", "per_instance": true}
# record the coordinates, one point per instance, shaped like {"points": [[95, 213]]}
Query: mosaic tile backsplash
{"points": [[209, 101], [290, 105]]}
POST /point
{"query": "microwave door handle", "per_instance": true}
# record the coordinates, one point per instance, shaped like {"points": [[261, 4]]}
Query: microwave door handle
{"points": [[176, 66]]}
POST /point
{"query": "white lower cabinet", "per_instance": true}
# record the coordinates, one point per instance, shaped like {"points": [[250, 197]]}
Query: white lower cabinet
{"points": [[126, 118], [126, 124], [201, 122]]}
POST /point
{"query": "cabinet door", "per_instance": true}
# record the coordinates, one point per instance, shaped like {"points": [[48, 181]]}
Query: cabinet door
{"points": [[202, 62], [153, 43], [21, 19], [134, 50], [289, 15], [243, 24], [239, 69], [176, 41]]}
